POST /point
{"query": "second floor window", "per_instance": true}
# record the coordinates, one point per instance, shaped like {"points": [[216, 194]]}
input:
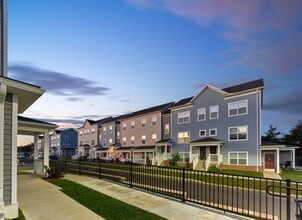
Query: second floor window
{"points": [[143, 139], [92, 130], [124, 141], [213, 132], [183, 117], [154, 138], [202, 133], [81, 133], [110, 129], [110, 141], [124, 126], [183, 137], [214, 112], [132, 139], [104, 130], [92, 142], [238, 133]]}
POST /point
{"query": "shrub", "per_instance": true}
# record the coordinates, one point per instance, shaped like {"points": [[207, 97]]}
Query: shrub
{"points": [[175, 159], [213, 169], [54, 171]]}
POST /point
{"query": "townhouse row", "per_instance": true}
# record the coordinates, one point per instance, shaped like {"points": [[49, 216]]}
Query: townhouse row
{"points": [[219, 127]]}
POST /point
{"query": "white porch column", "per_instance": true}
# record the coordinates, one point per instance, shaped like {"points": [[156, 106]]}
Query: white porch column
{"points": [[14, 152], [293, 159], [278, 160], [36, 138], [46, 149], [190, 153], [145, 157], [218, 152]]}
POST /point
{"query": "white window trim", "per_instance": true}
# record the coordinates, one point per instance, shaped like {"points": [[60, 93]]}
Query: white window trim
{"points": [[154, 119], [205, 132], [213, 129], [237, 108], [143, 122], [247, 133], [205, 114], [238, 152], [179, 113], [211, 111], [145, 138], [183, 142], [167, 129]]}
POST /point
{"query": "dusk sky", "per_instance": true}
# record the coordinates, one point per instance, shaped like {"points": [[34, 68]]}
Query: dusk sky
{"points": [[97, 58]]}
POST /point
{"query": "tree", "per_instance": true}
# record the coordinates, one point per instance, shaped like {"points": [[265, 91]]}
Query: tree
{"points": [[271, 136], [294, 138]]}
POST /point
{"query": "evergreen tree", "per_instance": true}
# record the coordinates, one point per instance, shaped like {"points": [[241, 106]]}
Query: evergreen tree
{"points": [[271, 136]]}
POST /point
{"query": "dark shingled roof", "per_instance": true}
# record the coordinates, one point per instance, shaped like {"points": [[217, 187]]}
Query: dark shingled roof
{"points": [[21, 118], [204, 140], [144, 147], [163, 141], [182, 102], [162, 108], [5, 77], [127, 148], [245, 86]]}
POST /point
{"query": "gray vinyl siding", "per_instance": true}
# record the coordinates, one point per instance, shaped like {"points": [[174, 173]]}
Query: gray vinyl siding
{"points": [[7, 163], [108, 135], [210, 98]]}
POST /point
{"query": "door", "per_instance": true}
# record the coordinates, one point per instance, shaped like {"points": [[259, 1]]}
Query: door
{"points": [[202, 153], [269, 160]]}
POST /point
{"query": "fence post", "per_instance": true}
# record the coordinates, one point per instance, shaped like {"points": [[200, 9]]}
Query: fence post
{"points": [[100, 177], [80, 161], [131, 174], [183, 185], [288, 199]]}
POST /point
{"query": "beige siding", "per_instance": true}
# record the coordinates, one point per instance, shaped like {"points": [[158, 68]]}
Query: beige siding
{"points": [[7, 150]]}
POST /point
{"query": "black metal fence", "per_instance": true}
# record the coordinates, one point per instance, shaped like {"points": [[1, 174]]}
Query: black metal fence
{"points": [[260, 198]]}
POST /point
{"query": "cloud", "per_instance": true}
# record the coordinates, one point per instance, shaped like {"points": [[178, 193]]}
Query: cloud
{"points": [[264, 35], [61, 84]]}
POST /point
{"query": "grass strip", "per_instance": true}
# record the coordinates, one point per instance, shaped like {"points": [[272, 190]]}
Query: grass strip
{"points": [[103, 205]]}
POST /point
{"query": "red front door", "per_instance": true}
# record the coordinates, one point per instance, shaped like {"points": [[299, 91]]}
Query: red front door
{"points": [[269, 160]]}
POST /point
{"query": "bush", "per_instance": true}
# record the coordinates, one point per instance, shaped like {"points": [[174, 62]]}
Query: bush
{"points": [[54, 171], [175, 159], [213, 169]]}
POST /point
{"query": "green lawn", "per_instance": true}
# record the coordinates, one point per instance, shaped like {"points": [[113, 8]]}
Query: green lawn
{"points": [[242, 173], [103, 205], [291, 174]]}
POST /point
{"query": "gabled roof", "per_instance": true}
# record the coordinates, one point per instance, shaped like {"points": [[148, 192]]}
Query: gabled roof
{"points": [[245, 86], [161, 108], [31, 120], [206, 140], [208, 87]]}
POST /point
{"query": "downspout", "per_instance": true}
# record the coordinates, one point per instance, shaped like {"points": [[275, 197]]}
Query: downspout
{"points": [[2, 100]]}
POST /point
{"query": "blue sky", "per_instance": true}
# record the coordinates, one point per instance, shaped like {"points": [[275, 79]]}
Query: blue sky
{"points": [[97, 58]]}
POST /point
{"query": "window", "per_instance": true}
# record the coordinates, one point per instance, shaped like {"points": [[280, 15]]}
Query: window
{"points": [[124, 141], [132, 124], [184, 157], [183, 137], [104, 130], [110, 141], [183, 117], [110, 129], [214, 112], [238, 133], [201, 114], [81, 133], [143, 139], [92, 142], [92, 130], [87, 131], [118, 134], [81, 143], [154, 138], [104, 143], [66, 138], [154, 121], [238, 158], [167, 129], [143, 123], [238, 108], [124, 126], [213, 132], [202, 133], [132, 139]]}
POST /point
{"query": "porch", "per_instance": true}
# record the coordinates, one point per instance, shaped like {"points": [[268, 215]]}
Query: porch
{"points": [[163, 152], [124, 154], [143, 154], [105, 153], [275, 156], [204, 153]]}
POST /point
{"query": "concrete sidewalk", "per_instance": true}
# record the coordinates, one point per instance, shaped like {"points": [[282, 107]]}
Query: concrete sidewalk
{"points": [[39, 199]]}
